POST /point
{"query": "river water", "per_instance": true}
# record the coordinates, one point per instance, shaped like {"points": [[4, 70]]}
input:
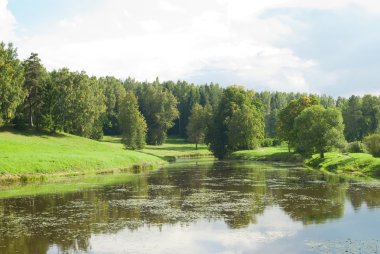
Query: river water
{"points": [[197, 207]]}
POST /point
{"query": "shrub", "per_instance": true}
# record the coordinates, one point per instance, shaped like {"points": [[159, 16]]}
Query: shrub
{"points": [[276, 142], [355, 147], [372, 143], [267, 142]]}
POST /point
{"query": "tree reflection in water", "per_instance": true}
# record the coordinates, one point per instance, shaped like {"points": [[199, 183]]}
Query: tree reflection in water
{"points": [[182, 193]]}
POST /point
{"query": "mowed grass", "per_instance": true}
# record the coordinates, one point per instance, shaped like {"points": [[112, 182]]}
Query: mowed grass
{"points": [[30, 153], [352, 164], [278, 153], [348, 164], [174, 147]]}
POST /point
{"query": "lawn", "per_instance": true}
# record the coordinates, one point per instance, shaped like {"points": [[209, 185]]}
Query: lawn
{"points": [[26, 153], [355, 164], [174, 147], [351, 164], [278, 153], [30, 152]]}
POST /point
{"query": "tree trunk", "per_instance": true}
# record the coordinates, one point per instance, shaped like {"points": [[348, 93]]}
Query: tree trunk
{"points": [[322, 154], [30, 115]]}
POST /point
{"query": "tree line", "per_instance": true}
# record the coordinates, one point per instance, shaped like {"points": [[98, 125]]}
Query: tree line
{"points": [[226, 119]]}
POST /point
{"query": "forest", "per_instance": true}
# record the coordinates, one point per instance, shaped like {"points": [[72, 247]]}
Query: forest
{"points": [[227, 119]]}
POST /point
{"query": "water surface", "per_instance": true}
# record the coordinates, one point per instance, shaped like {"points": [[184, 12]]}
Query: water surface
{"points": [[198, 207]]}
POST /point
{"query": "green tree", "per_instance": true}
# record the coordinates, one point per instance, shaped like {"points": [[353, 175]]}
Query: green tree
{"points": [[232, 100], [76, 104], [34, 84], [287, 116], [12, 92], [245, 128], [372, 143], [132, 123], [371, 114], [319, 129], [114, 92], [198, 123], [159, 108], [353, 119]]}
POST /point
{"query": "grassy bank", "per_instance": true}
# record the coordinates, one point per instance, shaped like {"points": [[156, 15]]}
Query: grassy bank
{"points": [[351, 164], [23, 153], [32, 154], [267, 154], [173, 148]]}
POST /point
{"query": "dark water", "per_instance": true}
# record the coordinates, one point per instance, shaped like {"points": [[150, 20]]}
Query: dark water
{"points": [[205, 207]]}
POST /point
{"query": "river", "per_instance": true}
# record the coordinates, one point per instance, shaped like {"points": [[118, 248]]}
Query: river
{"points": [[196, 207]]}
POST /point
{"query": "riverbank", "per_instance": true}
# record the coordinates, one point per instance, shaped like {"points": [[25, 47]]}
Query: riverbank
{"points": [[34, 155], [348, 164]]}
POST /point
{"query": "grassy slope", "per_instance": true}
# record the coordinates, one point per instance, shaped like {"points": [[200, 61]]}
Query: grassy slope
{"points": [[352, 164], [355, 164], [174, 147], [24, 153], [267, 154], [30, 152]]}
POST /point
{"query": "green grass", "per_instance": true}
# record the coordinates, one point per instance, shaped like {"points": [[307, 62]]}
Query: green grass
{"points": [[31, 153], [279, 153], [174, 147], [34, 154], [351, 164]]}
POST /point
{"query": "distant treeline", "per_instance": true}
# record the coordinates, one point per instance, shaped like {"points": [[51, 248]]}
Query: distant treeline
{"points": [[227, 119]]}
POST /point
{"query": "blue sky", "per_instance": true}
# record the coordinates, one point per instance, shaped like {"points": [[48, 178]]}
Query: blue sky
{"points": [[319, 46]]}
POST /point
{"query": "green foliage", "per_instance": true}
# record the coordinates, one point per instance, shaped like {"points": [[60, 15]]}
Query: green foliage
{"points": [[318, 130], [132, 124], [372, 143], [159, 107], [287, 116], [235, 105], [371, 114], [12, 92], [114, 93], [355, 147], [35, 86], [245, 128], [76, 104], [198, 123], [353, 119], [268, 142]]}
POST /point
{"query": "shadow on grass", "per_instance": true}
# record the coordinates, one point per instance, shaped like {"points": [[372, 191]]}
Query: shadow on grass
{"points": [[172, 148], [32, 133], [279, 156]]}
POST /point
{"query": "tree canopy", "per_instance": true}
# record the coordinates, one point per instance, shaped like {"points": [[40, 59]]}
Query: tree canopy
{"points": [[235, 104], [287, 116], [12, 92], [318, 130], [132, 123]]}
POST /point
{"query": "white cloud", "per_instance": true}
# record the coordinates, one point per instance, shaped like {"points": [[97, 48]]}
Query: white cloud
{"points": [[7, 23], [181, 39]]}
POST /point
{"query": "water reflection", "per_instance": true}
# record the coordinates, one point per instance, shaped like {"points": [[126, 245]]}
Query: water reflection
{"points": [[212, 200]]}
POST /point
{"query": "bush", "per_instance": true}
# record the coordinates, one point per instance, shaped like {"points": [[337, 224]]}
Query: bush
{"points": [[372, 143], [276, 142], [267, 142], [355, 147]]}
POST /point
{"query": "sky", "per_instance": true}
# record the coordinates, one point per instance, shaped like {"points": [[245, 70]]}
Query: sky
{"points": [[316, 46]]}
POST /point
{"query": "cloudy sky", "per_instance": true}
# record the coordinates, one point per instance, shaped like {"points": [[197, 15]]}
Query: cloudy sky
{"points": [[324, 46]]}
